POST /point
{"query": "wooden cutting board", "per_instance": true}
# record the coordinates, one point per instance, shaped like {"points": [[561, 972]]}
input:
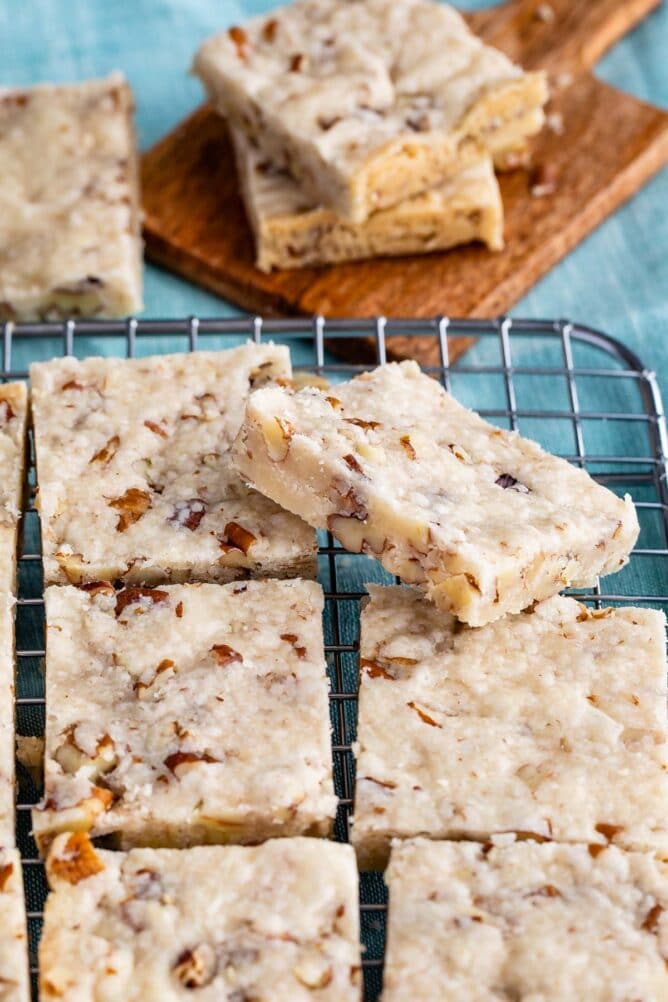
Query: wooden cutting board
{"points": [[610, 144]]}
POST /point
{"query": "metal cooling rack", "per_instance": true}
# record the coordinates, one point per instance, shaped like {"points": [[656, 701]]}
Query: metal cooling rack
{"points": [[561, 365]]}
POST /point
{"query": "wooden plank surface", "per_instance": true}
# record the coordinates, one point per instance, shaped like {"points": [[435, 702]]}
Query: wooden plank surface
{"points": [[610, 145]]}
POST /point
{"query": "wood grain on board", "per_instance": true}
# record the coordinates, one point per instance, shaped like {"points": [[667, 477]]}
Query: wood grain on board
{"points": [[609, 146]]}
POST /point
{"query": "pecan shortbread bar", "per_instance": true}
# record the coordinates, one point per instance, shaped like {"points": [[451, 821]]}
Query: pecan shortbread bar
{"points": [[550, 723], [7, 741], [273, 923], [485, 521], [70, 240], [186, 714], [525, 921], [14, 981], [134, 475], [291, 232], [369, 103]]}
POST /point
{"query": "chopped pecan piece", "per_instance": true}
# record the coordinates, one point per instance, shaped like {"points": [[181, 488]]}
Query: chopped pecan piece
{"points": [[129, 596], [107, 452], [98, 588], [240, 39], [188, 514], [78, 861], [652, 919], [131, 505], [353, 463], [6, 413], [225, 655], [269, 30], [375, 670], [197, 967], [292, 638], [407, 446], [157, 429], [297, 62], [237, 538], [509, 482], [422, 715], [609, 831], [361, 423], [6, 871], [177, 760]]}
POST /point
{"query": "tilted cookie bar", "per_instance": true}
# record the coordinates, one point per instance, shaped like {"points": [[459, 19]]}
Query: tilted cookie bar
{"points": [[290, 232], [368, 104], [14, 981], [273, 923], [485, 521], [70, 241], [188, 714], [13, 423], [525, 921], [550, 723], [134, 474]]}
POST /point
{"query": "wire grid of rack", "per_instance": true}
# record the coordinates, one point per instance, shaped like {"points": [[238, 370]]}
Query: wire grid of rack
{"points": [[554, 350]]}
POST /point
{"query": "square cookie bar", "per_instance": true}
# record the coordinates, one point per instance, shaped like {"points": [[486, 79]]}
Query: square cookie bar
{"points": [[189, 714], [273, 923], [485, 521], [525, 921], [70, 241], [291, 232], [550, 724], [368, 104], [13, 422], [134, 476], [14, 981]]}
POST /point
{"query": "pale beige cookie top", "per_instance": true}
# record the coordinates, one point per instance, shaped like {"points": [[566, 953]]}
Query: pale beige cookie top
{"points": [[187, 714], [484, 520], [134, 475], [524, 921], [69, 202], [340, 89], [550, 722], [273, 923], [14, 980], [13, 423]]}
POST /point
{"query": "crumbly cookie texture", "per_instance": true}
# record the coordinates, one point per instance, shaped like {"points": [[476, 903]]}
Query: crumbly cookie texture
{"points": [[485, 521], [13, 422], [368, 104], [134, 475], [70, 241], [14, 980], [186, 714], [290, 232], [527, 922], [273, 923], [550, 723]]}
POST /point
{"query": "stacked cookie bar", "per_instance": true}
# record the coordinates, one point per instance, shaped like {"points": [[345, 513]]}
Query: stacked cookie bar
{"points": [[14, 985], [368, 129], [69, 204], [512, 744]]}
